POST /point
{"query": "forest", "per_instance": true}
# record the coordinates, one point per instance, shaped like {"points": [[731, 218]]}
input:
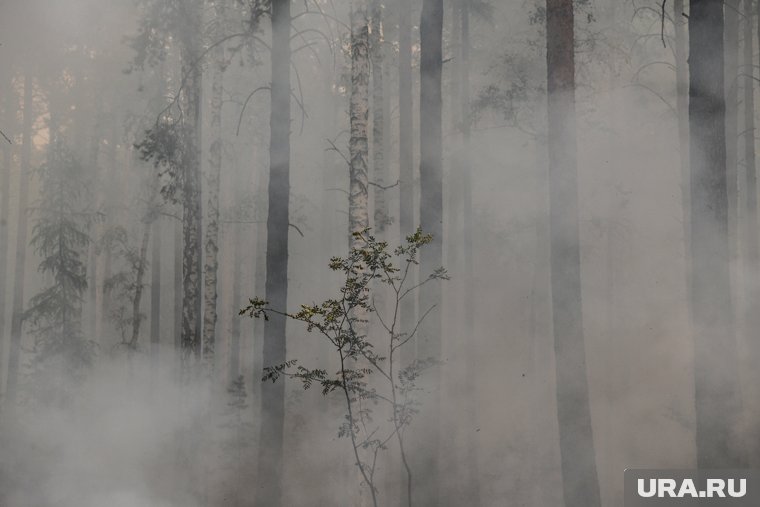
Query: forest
{"points": [[375, 252]]}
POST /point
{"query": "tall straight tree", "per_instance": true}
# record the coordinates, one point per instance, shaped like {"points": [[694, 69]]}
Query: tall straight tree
{"points": [[751, 266], [716, 386], [211, 267], [190, 53], [270, 466], [406, 141], [9, 104], [376, 48], [358, 145], [431, 222], [17, 314], [576, 440], [731, 71]]}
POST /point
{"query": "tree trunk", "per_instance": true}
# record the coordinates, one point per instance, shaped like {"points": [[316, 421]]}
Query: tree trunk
{"points": [[155, 295], [237, 304], [427, 484], [5, 182], [376, 47], [473, 485], [21, 232], [191, 191], [406, 148], [731, 42], [752, 248], [579, 476], [716, 386], [142, 262], [270, 460], [358, 206], [212, 218]]}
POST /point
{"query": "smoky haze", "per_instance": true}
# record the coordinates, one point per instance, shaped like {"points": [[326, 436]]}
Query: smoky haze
{"points": [[169, 163]]}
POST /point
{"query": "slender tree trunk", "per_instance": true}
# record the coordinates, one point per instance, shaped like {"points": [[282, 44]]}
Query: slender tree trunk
{"points": [[731, 41], [376, 47], [716, 386], [270, 464], [212, 223], [427, 485], [191, 192], [752, 248], [358, 206], [139, 285], [5, 182], [579, 476], [473, 476], [237, 303], [406, 148], [155, 295], [21, 233]]}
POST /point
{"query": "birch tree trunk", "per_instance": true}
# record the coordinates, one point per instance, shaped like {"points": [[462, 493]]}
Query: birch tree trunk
{"points": [[21, 234], [212, 218], [270, 460], [376, 48], [191, 191], [358, 148], [716, 385], [578, 461]]}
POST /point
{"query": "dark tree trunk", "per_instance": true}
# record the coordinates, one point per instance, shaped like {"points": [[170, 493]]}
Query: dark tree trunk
{"points": [[751, 269], [716, 386], [731, 41], [576, 440], [270, 460], [21, 233], [431, 221], [191, 191]]}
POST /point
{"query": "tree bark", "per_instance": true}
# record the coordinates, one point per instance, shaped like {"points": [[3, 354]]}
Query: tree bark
{"points": [[191, 191], [155, 295], [406, 147], [376, 47], [431, 221], [578, 461], [752, 248], [5, 182], [21, 234], [358, 148], [731, 41], [212, 218], [270, 464], [715, 360]]}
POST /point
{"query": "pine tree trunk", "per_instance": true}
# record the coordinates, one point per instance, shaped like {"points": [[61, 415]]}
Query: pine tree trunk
{"points": [[155, 295], [579, 476], [5, 182], [212, 218], [191, 191], [237, 303], [471, 367], [406, 149], [139, 286], [21, 234], [752, 248], [426, 458], [731, 41], [716, 386], [270, 460]]}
